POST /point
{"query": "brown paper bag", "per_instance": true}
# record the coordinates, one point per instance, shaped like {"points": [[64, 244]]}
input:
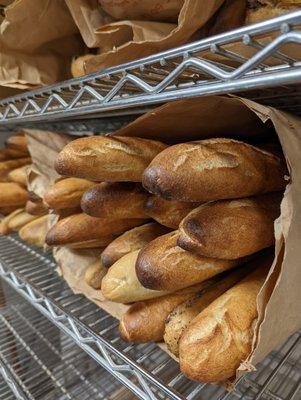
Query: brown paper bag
{"points": [[37, 43], [125, 41]]}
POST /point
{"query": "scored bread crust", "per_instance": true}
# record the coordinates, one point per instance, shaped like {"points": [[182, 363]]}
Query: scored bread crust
{"points": [[162, 265], [213, 169], [168, 212], [220, 337], [231, 229], [115, 200], [131, 240], [66, 193], [107, 158], [81, 228]]}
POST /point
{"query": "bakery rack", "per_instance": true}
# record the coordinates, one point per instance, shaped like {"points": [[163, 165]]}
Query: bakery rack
{"points": [[144, 369], [261, 62], [38, 361]]}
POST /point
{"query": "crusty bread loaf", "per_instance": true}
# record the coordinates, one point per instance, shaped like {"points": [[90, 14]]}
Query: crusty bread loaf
{"points": [[162, 265], [66, 193], [168, 212], [19, 175], [9, 165], [148, 10], [107, 158], [19, 220], [213, 169], [8, 209], [180, 317], [117, 200], [12, 194], [231, 229], [78, 65], [4, 224], [131, 240], [121, 284], [145, 320], [17, 142], [36, 207], [80, 229], [9, 154], [94, 274], [34, 232], [220, 337]]}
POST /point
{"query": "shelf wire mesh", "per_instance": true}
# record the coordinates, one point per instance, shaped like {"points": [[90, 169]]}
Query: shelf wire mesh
{"points": [[46, 364], [148, 371]]}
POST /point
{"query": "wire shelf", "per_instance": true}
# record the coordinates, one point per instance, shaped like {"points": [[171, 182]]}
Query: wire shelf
{"points": [[265, 56], [39, 362], [145, 369]]}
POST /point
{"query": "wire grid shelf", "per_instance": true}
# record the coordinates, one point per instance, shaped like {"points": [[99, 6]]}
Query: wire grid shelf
{"points": [[145, 369], [6, 393], [39, 362], [265, 56]]}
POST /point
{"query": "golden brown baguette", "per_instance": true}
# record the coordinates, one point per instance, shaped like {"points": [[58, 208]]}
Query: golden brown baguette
{"points": [[81, 230], [34, 232], [9, 165], [66, 193], [78, 65], [220, 337], [9, 154], [180, 317], [148, 10], [162, 265], [116, 200], [107, 158], [168, 212], [231, 229], [7, 210], [12, 194], [17, 142], [36, 207], [145, 320], [19, 175], [131, 240], [121, 284], [94, 274], [213, 169], [19, 220], [4, 224]]}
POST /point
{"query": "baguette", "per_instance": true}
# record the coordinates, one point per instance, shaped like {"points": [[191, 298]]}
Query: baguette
{"points": [[213, 169], [180, 317], [19, 220], [145, 320], [35, 207], [12, 194], [104, 158], [8, 210], [162, 265], [19, 175], [129, 241], [4, 224], [231, 229], [34, 232], [94, 274], [220, 337], [66, 193], [116, 200], [17, 142], [121, 284], [168, 212], [9, 165], [81, 230], [9, 154]]}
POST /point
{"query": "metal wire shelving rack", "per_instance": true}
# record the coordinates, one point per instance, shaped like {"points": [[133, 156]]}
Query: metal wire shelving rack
{"points": [[261, 62], [38, 361], [145, 369]]}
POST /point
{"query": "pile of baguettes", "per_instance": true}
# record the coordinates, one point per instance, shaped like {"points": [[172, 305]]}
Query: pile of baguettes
{"points": [[187, 233], [24, 213]]}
